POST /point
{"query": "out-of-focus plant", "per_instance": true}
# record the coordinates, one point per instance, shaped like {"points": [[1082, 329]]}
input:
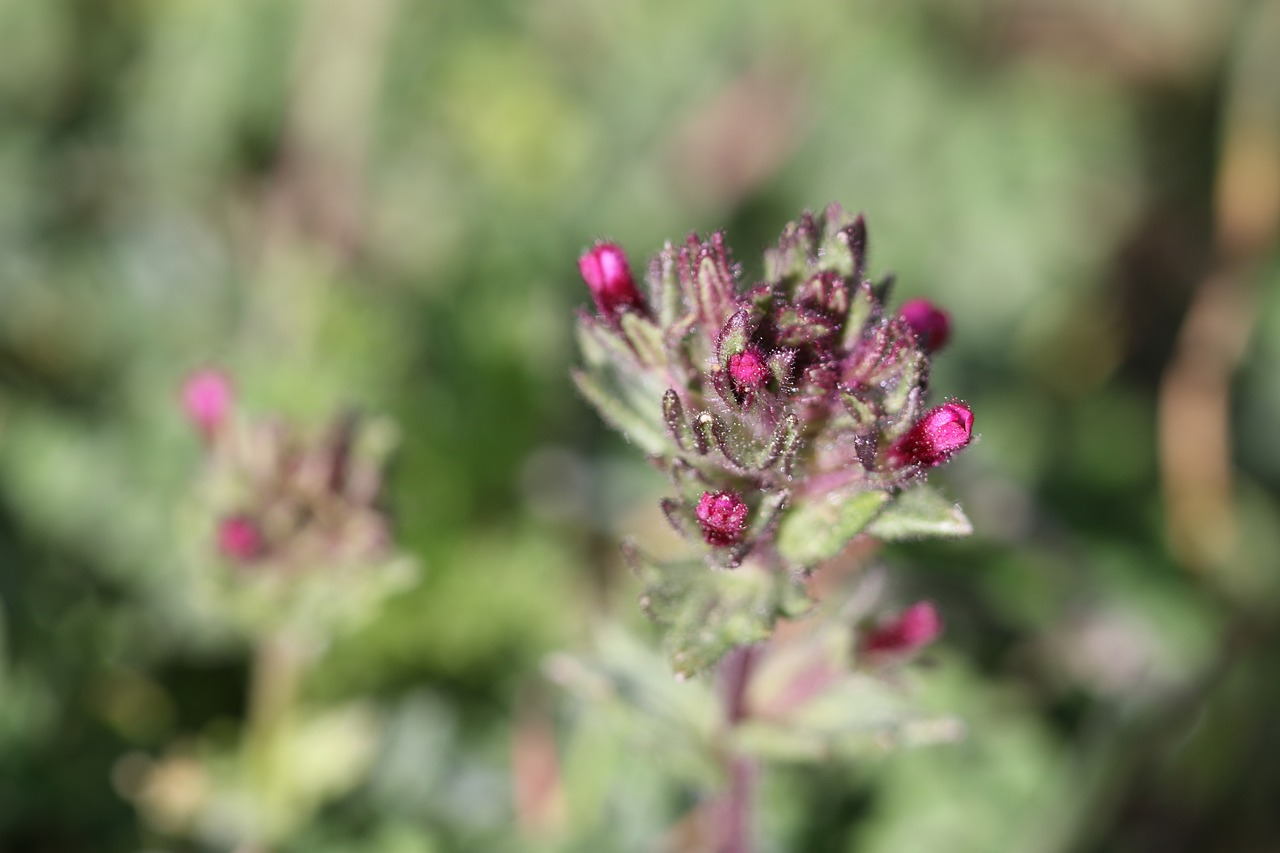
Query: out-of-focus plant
{"points": [[295, 550], [791, 417]]}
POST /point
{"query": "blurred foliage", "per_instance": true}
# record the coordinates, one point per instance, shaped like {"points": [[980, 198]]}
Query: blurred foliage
{"points": [[378, 204]]}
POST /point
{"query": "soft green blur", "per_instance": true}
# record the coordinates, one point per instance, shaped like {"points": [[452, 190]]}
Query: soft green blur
{"points": [[379, 203]]}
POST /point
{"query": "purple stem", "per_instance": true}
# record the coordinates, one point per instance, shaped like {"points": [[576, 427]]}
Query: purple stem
{"points": [[734, 814]]}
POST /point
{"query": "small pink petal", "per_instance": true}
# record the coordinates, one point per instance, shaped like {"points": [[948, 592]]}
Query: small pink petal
{"points": [[722, 517]]}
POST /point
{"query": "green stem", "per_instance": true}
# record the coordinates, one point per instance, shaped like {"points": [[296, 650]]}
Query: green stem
{"points": [[275, 678]]}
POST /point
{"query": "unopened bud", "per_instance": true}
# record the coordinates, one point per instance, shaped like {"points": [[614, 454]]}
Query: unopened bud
{"points": [[206, 398], [911, 630], [239, 539], [722, 517], [931, 324], [748, 369], [608, 275], [935, 437]]}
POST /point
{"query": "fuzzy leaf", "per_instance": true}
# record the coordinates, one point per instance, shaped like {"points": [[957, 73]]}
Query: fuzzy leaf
{"points": [[801, 326], [601, 344], [715, 287], [677, 424], [789, 261], [860, 407], [864, 310], [920, 512], [707, 613], [632, 424], [680, 519], [786, 440], [645, 338], [825, 292], [782, 365], [816, 530], [844, 248], [664, 286], [859, 718], [733, 337]]}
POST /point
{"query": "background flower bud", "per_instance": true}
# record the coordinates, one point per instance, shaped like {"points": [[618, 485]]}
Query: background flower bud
{"points": [[239, 539], [930, 323], [913, 629], [722, 517], [206, 398], [935, 437], [608, 275]]}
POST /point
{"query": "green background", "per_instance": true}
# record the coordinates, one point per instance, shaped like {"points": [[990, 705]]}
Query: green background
{"points": [[379, 203]]}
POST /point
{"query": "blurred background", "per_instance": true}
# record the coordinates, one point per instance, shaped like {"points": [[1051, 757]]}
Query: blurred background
{"points": [[379, 204]]}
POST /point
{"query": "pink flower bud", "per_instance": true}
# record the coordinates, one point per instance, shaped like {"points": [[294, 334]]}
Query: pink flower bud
{"points": [[206, 398], [913, 629], [748, 369], [935, 437], [608, 275], [239, 539], [723, 518], [930, 323]]}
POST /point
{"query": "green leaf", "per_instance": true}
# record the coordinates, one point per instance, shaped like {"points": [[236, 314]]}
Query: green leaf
{"points": [[789, 260], [817, 530], [621, 416], [864, 308], [664, 286], [844, 244], [733, 337], [861, 408], [602, 345], [859, 717], [920, 512], [645, 338], [715, 288], [706, 613], [786, 440], [801, 326]]}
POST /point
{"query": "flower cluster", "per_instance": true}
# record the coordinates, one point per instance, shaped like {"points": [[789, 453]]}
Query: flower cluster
{"points": [[301, 501], [790, 414]]}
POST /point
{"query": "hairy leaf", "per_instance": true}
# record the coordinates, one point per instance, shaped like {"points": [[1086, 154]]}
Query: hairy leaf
{"points": [[920, 512], [816, 530], [707, 613]]}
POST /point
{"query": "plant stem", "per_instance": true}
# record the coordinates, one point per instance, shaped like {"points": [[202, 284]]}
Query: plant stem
{"points": [[278, 664], [733, 817]]}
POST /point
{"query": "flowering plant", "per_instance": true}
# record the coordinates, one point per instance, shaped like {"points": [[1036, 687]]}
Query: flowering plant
{"points": [[790, 416], [300, 542], [293, 550]]}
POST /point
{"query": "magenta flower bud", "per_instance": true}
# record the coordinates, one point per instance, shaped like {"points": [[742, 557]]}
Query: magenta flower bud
{"points": [[239, 539], [931, 324], [935, 437], [206, 398], [723, 518], [913, 629], [608, 276], [748, 369]]}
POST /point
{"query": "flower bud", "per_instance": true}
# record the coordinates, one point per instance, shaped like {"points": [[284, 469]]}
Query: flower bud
{"points": [[607, 274], [748, 369], [723, 518], [239, 539], [930, 323], [913, 629], [206, 398], [935, 437]]}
